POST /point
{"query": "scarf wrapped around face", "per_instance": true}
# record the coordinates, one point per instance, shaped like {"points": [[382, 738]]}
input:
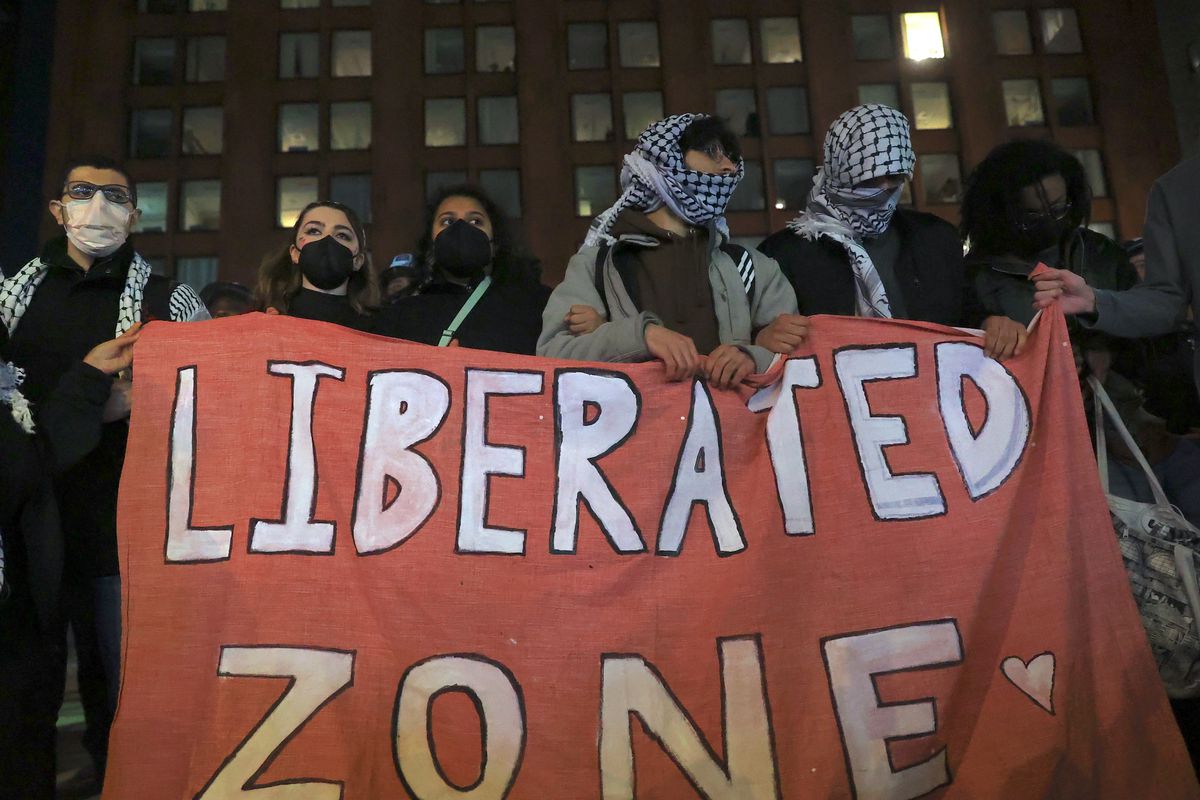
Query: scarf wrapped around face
{"points": [[865, 142], [655, 175]]}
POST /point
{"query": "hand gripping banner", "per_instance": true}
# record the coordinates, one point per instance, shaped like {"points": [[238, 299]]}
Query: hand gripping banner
{"points": [[357, 568]]}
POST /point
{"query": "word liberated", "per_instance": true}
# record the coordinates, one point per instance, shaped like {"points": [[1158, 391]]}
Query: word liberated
{"points": [[630, 687], [595, 412]]}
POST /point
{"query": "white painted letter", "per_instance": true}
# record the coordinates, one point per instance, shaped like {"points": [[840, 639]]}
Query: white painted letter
{"points": [[630, 685], [184, 542], [987, 459], [785, 443], [501, 717], [581, 444], [481, 460], [297, 531], [892, 496], [316, 677], [852, 661], [700, 478], [397, 487]]}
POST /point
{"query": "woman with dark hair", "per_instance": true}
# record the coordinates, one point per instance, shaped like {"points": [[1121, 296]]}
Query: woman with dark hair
{"points": [[1027, 203], [325, 272], [483, 292]]}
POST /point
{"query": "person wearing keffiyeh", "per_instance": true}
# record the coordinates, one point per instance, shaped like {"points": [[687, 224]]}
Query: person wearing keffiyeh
{"points": [[853, 251], [38, 440], [658, 278]]}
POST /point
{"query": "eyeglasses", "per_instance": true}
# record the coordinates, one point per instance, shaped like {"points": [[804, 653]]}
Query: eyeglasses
{"points": [[716, 152], [114, 192], [1057, 213]]}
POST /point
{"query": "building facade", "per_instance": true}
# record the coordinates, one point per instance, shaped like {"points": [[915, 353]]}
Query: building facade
{"points": [[232, 114]]}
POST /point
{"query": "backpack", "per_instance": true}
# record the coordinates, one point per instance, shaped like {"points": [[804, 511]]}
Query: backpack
{"points": [[740, 255]]}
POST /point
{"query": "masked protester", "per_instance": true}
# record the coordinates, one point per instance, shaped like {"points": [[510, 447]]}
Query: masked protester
{"points": [[89, 285], [659, 271], [854, 252], [484, 292], [324, 273], [1028, 202]]}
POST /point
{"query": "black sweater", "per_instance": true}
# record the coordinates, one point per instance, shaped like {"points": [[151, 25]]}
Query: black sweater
{"points": [[507, 319], [929, 271]]}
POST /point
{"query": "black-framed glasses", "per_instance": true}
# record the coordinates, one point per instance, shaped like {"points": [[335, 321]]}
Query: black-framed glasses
{"points": [[114, 192], [1056, 213]]}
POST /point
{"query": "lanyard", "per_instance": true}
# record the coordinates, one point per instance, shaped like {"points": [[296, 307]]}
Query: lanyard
{"points": [[465, 311]]}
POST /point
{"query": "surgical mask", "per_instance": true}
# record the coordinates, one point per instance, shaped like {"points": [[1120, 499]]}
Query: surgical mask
{"points": [[327, 263], [98, 227], [462, 250], [868, 211]]}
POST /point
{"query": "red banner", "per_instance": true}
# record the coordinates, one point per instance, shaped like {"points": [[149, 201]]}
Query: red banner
{"points": [[364, 569]]}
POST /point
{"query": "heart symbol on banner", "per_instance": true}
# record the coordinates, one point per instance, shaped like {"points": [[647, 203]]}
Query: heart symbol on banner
{"points": [[1035, 679]]}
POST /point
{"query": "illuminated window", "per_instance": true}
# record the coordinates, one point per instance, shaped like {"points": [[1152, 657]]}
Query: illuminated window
{"points": [[591, 117], [641, 108], [351, 54], [931, 107], [150, 133], [205, 59], [445, 122], [781, 40], [197, 272], [294, 194], [922, 35], [738, 108], [941, 178], [1011, 29], [350, 125], [444, 51], [1060, 31], [152, 202], [1023, 103], [587, 45], [495, 48], [200, 205], [299, 129], [638, 44], [731, 41], [299, 55], [203, 131], [595, 189]]}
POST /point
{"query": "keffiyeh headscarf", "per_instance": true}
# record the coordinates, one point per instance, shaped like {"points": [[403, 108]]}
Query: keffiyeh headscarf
{"points": [[655, 175], [865, 142]]}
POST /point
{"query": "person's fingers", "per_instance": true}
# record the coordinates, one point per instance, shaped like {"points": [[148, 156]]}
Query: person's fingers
{"points": [[743, 371], [1022, 337], [719, 371], [274, 312]]}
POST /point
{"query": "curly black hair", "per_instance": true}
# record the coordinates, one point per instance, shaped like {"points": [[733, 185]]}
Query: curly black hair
{"points": [[992, 201], [510, 262]]}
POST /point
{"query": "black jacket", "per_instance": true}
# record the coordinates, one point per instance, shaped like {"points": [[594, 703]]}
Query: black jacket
{"points": [[508, 318], [929, 271], [67, 428], [72, 311]]}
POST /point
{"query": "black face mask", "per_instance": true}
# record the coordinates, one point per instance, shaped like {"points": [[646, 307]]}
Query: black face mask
{"points": [[1034, 236], [462, 250], [327, 263]]}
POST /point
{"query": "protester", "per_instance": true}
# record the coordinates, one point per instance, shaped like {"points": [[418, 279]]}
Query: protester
{"points": [[1160, 303], [227, 299], [484, 291], [660, 265], [88, 283], [1027, 203], [403, 278], [854, 252], [36, 443], [324, 273]]}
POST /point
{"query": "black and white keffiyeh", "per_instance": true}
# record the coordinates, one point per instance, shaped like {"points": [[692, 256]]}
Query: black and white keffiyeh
{"points": [[17, 292], [866, 142], [654, 175]]}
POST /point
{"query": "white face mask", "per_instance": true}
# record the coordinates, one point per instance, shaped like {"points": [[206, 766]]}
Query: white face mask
{"points": [[97, 226]]}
